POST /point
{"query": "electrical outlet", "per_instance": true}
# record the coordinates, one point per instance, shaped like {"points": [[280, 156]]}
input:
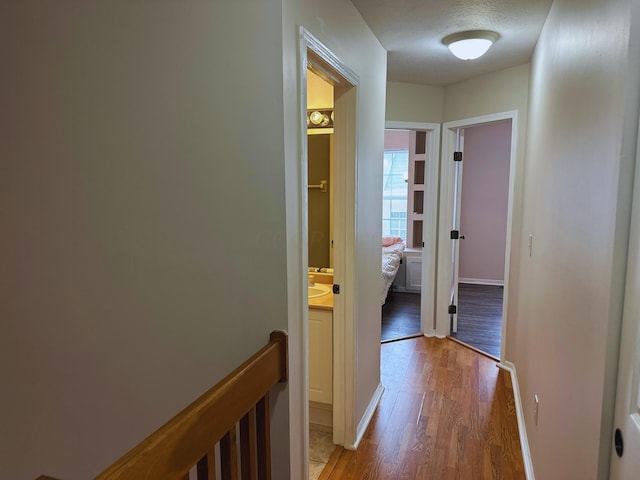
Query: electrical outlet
{"points": [[536, 408]]}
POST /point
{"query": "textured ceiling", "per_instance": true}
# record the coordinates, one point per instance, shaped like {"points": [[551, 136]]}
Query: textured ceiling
{"points": [[412, 30]]}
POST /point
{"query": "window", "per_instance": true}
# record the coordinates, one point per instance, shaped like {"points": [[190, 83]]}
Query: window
{"points": [[394, 193]]}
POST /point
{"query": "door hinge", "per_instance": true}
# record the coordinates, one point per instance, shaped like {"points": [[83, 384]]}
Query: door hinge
{"points": [[336, 289], [457, 156], [452, 309], [422, 244]]}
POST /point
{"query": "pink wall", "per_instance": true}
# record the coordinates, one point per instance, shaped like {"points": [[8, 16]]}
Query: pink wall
{"points": [[396, 139], [485, 194]]}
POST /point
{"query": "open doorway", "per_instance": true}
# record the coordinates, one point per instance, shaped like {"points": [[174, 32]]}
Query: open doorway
{"points": [[484, 198], [328, 322], [476, 203], [410, 183], [320, 214]]}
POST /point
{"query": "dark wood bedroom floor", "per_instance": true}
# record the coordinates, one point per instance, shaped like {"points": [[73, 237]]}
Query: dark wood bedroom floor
{"points": [[401, 316], [480, 317]]}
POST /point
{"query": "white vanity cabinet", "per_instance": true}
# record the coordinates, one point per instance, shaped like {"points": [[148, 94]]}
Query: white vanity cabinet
{"points": [[321, 356]]}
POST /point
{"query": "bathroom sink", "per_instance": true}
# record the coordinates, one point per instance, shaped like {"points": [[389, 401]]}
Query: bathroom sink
{"points": [[318, 290]]}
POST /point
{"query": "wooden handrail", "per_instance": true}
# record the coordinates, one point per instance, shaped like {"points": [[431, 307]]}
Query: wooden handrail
{"points": [[188, 440]]}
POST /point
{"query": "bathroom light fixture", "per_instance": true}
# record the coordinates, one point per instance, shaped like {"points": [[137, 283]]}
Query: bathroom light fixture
{"points": [[471, 44], [320, 118]]}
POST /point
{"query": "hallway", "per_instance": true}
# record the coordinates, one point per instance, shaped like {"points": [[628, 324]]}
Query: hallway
{"points": [[447, 412]]}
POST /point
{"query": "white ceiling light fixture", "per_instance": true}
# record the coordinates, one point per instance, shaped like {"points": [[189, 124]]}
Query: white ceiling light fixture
{"points": [[471, 44]]}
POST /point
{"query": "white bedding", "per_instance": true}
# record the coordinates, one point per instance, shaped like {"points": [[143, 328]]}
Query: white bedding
{"points": [[391, 257]]}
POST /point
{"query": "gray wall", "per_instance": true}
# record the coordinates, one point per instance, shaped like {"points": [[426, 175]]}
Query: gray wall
{"points": [[139, 215], [144, 194]]}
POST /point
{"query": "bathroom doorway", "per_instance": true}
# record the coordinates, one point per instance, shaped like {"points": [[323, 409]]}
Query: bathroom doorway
{"points": [[316, 59], [320, 213]]}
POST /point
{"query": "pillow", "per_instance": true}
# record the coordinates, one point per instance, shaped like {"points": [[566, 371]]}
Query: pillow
{"points": [[388, 241]]}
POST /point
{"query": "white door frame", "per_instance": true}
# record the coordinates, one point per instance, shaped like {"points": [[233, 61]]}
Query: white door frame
{"points": [[311, 50], [446, 212], [627, 402], [429, 223]]}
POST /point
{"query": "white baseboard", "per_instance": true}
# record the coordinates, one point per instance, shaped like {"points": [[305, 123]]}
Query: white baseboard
{"points": [[482, 281], [366, 418], [435, 335], [522, 429], [321, 414]]}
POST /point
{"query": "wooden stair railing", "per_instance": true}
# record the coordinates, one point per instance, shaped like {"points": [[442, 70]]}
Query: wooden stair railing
{"points": [[239, 402]]}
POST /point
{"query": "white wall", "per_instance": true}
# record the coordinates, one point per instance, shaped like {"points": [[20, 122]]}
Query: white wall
{"points": [[579, 161], [409, 102], [494, 92], [339, 26], [141, 195], [319, 92]]}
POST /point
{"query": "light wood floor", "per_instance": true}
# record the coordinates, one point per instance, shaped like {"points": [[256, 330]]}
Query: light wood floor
{"points": [[447, 413]]}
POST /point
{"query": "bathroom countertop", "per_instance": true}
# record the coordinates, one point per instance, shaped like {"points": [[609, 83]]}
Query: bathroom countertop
{"points": [[325, 302]]}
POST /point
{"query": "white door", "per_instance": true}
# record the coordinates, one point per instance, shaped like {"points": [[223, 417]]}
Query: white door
{"points": [[625, 457], [455, 233]]}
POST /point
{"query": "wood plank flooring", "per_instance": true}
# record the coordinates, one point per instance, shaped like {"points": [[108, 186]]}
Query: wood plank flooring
{"points": [[400, 316], [447, 413], [480, 317]]}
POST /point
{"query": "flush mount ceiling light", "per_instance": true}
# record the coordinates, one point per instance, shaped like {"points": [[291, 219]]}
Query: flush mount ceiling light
{"points": [[471, 44]]}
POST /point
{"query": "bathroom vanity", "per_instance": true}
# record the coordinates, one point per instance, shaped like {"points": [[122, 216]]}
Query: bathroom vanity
{"points": [[320, 355], [321, 352]]}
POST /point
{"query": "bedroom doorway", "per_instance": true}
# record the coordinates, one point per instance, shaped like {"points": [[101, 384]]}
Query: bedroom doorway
{"points": [[410, 184], [476, 205]]}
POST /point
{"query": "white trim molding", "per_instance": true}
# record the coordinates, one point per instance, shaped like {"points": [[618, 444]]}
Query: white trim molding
{"points": [[481, 281], [366, 418], [332, 60], [522, 429]]}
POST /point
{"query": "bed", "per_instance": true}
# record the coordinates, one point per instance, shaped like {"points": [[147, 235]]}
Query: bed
{"points": [[392, 251]]}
